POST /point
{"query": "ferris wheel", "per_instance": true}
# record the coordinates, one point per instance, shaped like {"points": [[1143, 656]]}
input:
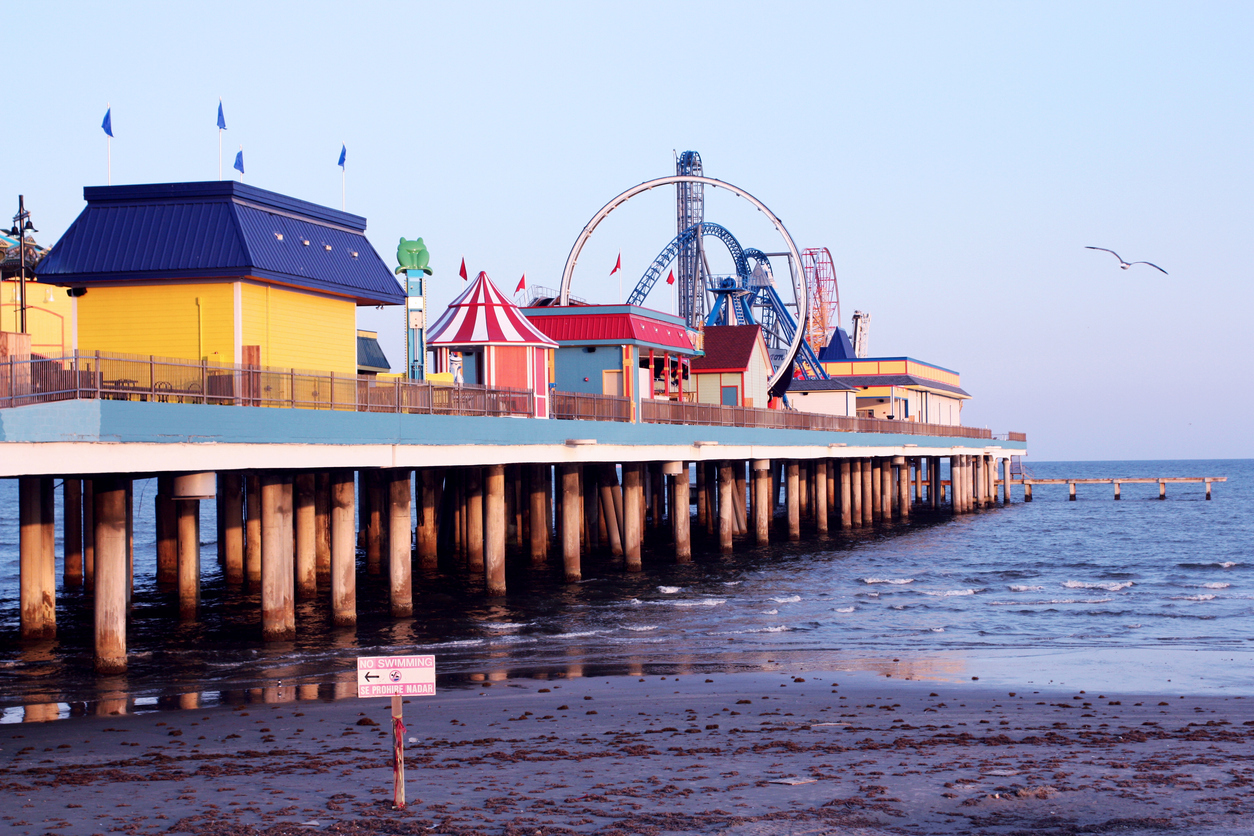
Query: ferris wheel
{"points": [[750, 296]]}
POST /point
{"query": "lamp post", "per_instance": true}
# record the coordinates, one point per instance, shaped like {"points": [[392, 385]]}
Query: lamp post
{"points": [[21, 226]]}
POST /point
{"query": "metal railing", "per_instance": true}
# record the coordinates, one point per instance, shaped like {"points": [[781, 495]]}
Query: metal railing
{"points": [[585, 406], [169, 380], [717, 415]]}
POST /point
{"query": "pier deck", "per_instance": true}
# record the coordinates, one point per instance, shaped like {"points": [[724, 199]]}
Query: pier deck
{"points": [[1161, 481]]}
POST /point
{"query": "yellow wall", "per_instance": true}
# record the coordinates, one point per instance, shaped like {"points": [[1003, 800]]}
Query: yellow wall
{"points": [[162, 320], [50, 323], [301, 330], [294, 329]]}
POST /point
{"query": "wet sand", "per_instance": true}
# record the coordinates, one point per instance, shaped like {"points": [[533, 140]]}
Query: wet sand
{"points": [[760, 753]]}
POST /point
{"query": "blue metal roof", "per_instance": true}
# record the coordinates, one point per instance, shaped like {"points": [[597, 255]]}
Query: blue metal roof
{"points": [[370, 355], [218, 229]]}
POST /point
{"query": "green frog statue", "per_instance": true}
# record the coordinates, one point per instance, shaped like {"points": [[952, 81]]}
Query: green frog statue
{"points": [[412, 255]]}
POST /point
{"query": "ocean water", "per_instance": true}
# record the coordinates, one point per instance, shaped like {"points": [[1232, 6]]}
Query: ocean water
{"points": [[1139, 594]]}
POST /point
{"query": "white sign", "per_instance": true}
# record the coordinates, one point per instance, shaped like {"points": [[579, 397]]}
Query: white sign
{"points": [[387, 676]]}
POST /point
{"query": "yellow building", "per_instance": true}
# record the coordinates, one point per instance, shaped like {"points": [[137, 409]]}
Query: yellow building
{"points": [[49, 310], [218, 271]]}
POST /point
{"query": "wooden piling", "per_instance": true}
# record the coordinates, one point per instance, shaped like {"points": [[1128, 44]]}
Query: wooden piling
{"points": [[109, 547], [792, 490], [278, 604], [306, 536], [37, 562], [726, 506], [538, 520], [613, 528], [702, 505], [376, 528], [230, 488], [633, 500], [762, 505], [165, 517], [474, 519], [322, 528], [902, 465], [846, 494], [72, 533], [252, 529], [343, 549], [820, 496], [740, 494], [400, 554], [188, 511], [89, 534], [681, 512], [572, 515], [590, 503], [428, 523]]}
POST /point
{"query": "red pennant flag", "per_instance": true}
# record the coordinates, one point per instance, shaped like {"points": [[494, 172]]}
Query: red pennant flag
{"points": [[522, 284], [618, 265], [670, 278], [462, 272]]}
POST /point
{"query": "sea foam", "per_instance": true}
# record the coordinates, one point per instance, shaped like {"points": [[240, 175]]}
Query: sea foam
{"points": [[1109, 586], [888, 580]]}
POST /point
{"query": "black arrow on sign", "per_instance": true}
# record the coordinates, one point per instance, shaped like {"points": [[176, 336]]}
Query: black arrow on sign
{"points": [[370, 676]]}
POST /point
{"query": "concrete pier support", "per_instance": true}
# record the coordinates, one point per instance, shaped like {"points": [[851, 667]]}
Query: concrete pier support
{"points": [[474, 519], [109, 513], [400, 555], [589, 501], [252, 530], [428, 522], [322, 528], [165, 517], [278, 601], [877, 490], [306, 523], [343, 550], [89, 534], [72, 539], [792, 492], [494, 528], [539, 515], [711, 498], [979, 483], [230, 488], [188, 511], [846, 494], [741, 494], [820, 496], [762, 505], [886, 489], [375, 495], [37, 561], [726, 506], [702, 501], [613, 527], [681, 510], [1006, 481], [933, 481], [633, 506], [572, 515], [868, 492], [902, 465]]}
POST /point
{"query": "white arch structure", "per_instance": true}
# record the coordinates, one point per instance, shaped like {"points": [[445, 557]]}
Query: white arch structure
{"points": [[800, 292]]}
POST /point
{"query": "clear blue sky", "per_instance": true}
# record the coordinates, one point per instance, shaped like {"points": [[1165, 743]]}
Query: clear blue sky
{"points": [[955, 157]]}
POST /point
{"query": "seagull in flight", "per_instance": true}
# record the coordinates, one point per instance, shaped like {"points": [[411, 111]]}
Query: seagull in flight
{"points": [[1124, 265]]}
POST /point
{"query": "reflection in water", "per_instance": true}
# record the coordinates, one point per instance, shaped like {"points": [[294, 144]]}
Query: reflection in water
{"points": [[1068, 585]]}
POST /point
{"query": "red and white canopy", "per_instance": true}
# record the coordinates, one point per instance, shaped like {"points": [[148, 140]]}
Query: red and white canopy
{"points": [[483, 315]]}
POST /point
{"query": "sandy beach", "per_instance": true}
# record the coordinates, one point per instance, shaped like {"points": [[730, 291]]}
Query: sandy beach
{"points": [[750, 753]]}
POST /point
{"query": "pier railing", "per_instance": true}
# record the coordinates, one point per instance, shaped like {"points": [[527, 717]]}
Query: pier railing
{"points": [[586, 406], [168, 380], [717, 415], [107, 376]]}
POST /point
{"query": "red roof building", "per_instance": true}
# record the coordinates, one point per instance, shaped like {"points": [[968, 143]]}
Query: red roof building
{"points": [[620, 350]]}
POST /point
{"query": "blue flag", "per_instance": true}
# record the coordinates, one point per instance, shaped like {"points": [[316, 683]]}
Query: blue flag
{"points": [[239, 161], [107, 124], [221, 118], [343, 155]]}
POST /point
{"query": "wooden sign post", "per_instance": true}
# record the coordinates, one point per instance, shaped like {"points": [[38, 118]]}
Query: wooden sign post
{"points": [[397, 677]]}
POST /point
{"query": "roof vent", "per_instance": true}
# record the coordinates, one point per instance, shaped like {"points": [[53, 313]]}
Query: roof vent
{"points": [[354, 253], [278, 236], [305, 241], [327, 247]]}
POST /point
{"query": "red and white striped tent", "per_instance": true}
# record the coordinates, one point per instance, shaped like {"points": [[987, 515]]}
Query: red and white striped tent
{"points": [[500, 347]]}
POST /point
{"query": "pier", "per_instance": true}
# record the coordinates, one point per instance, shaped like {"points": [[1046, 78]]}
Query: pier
{"points": [[301, 483], [1161, 481]]}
